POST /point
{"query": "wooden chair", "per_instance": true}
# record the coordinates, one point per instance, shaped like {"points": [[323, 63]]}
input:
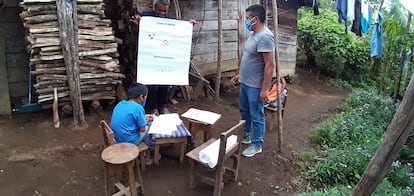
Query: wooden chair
{"points": [[109, 139], [271, 113], [233, 152]]}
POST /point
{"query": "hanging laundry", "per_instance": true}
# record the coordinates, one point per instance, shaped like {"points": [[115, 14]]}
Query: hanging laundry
{"points": [[366, 14], [350, 10], [356, 24], [376, 40], [342, 6]]}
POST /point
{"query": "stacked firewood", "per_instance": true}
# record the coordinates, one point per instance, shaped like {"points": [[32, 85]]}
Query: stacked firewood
{"points": [[97, 45]]}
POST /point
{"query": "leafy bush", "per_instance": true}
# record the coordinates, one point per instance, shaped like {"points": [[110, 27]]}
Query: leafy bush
{"points": [[323, 41], [350, 140]]}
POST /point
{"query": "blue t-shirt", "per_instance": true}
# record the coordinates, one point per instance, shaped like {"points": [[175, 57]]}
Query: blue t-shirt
{"points": [[127, 118], [252, 62], [152, 13]]}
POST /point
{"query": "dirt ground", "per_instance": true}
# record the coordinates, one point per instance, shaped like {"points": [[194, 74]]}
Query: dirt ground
{"points": [[37, 159]]}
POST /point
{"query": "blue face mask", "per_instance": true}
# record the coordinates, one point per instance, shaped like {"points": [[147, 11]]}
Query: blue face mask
{"points": [[143, 102], [249, 25]]}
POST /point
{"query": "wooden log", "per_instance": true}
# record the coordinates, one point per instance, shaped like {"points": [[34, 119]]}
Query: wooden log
{"points": [[99, 33], [51, 57], [93, 24], [98, 38], [51, 89], [39, 72], [50, 53], [98, 52], [41, 18], [43, 30], [91, 9], [42, 25], [101, 58], [97, 46], [110, 66], [39, 8], [103, 75], [51, 48], [26, 14], [51, 77], [49, 65]]}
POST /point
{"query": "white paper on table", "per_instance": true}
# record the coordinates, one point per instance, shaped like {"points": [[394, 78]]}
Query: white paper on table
{"points": [[201, 115], [165, 124], [209, 154]]}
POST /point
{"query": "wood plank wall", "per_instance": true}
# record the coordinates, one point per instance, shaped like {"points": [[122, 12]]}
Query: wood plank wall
{"points": [[17, 58]]}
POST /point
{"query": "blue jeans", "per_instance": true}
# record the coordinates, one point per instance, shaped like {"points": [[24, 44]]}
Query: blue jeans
{"points": [[144, 136], [252, 111]]}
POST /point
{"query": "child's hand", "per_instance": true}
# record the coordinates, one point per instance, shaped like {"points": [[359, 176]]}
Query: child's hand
{"points": [[149, 117]]}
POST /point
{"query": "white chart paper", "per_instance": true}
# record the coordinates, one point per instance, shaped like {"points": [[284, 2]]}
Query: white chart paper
{"points": [[201, 115], [164, 48], [165, 124]]}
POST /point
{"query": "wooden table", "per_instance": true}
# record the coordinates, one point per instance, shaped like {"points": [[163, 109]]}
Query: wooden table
{"points": [[178, 136], [195, 125]]}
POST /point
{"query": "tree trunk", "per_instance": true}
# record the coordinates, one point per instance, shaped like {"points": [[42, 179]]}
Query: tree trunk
{"points": [[67, 17], [394, 139]]}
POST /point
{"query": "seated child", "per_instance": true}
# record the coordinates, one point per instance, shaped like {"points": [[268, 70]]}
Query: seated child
{"points": [[272, 93], [129, 121]]}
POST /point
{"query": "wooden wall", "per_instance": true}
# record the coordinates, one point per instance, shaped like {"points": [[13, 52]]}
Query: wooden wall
{"points": [[205, 33], [17, 58]]}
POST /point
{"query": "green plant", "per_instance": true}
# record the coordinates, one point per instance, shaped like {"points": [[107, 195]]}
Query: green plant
{"points": [[349, 140], [339, 83]]}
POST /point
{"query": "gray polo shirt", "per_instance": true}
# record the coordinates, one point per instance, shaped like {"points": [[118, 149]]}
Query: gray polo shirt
{"points": [[252, 62]]}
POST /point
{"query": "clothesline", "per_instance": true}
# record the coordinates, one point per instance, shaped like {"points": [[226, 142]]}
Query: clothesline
{"points": [[360, 13]]}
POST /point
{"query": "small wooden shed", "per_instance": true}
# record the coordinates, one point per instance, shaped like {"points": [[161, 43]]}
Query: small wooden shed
{"points": [[14, 58]]}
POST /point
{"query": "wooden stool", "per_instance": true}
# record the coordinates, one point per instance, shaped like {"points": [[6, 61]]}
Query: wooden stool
{"points": [[196, 125], [120, 157]]}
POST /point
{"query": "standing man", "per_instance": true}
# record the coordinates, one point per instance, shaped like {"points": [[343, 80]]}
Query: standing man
{"points": [[157, 94], [255, 75]]}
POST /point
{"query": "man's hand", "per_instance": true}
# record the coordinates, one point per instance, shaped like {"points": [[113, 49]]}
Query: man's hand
{"points": [[135, 19], [192, 21], [263, 96], [235, 80]]}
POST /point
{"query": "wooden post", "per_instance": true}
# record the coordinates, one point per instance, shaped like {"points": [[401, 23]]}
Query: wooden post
{"points": [[402, 60], [394, 139], [219, 53], [279, 100], [68, 33], [56, 121], [241, 32]]}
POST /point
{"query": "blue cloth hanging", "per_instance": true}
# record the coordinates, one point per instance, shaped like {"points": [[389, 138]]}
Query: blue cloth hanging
{"points": [[342, 7], [366, 12], [376, 40]]}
